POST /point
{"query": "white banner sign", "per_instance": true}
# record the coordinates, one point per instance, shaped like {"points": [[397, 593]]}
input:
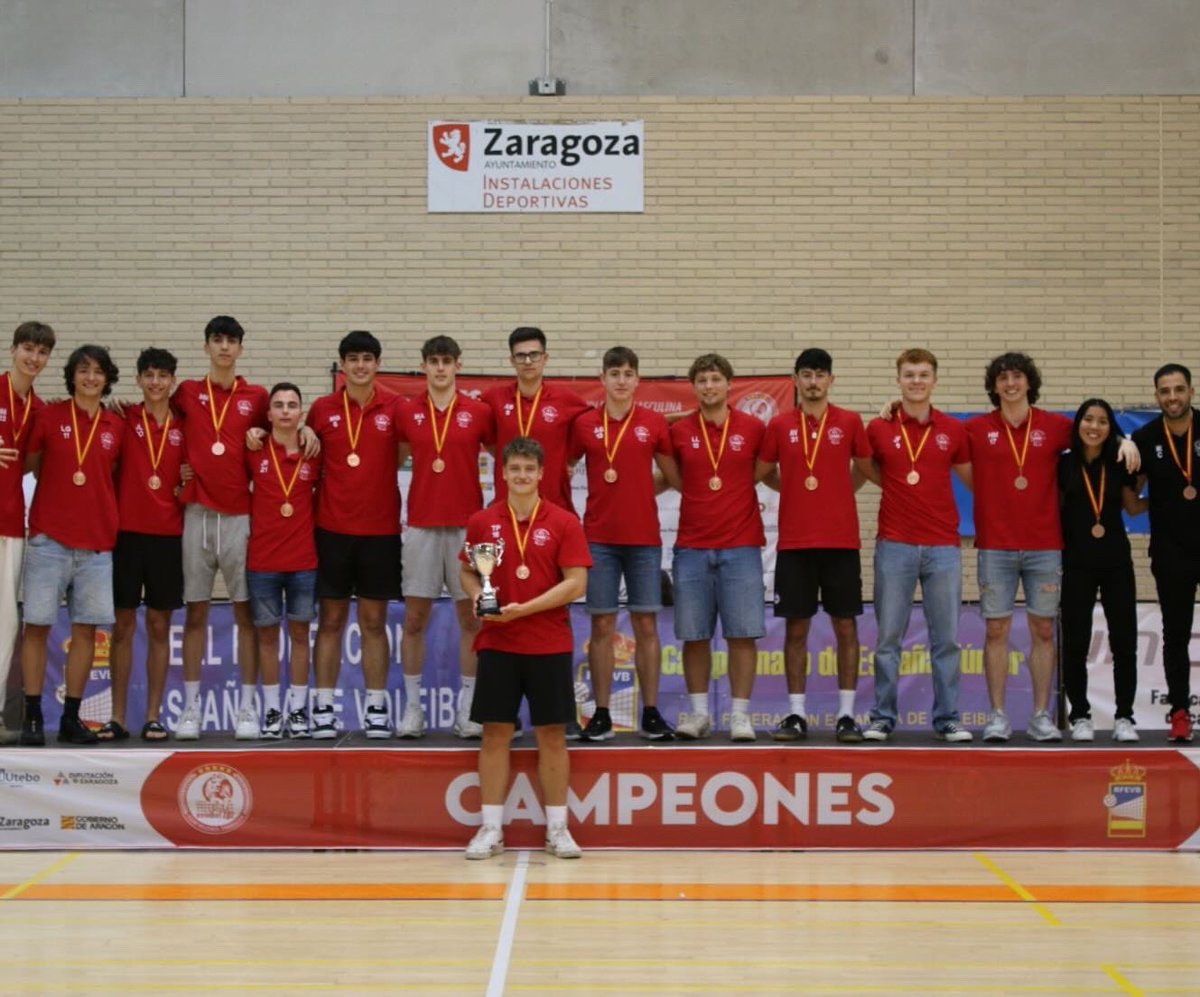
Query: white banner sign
{"points": [[497, 166]]}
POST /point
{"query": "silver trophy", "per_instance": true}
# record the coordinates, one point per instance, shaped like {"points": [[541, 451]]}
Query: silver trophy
{"points": [[484, 557]]}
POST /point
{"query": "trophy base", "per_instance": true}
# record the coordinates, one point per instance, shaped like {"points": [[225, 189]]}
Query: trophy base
{"points": [[487, 608]]}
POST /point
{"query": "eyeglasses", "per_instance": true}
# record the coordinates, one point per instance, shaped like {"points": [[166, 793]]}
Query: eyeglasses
{"points": [[533, 356]]}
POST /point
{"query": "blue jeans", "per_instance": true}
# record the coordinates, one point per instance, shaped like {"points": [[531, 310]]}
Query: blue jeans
{"points": [[54, 572], [268, 589], [642, 568], [727, 582], [898, 568]]}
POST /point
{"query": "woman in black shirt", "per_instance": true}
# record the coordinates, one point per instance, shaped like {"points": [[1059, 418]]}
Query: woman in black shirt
{"points": [[1093, 489]]}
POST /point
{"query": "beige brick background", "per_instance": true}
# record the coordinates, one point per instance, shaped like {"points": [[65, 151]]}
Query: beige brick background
{"points": [[1063, 226]]}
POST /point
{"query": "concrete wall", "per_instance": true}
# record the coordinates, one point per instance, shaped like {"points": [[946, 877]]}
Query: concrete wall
{"points": [[203, 48]]}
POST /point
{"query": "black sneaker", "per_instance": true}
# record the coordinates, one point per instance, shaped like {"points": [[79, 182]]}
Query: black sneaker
{"points": [[33, 731], [573, 731], [72, 730], [655, 726], [847, 731], [599, 727], [793, 727]]}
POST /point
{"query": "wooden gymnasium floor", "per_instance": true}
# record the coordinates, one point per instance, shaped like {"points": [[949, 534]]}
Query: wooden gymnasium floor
{"points": [[613, 923]]}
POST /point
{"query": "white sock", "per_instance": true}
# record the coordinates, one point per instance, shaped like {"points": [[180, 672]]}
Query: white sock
{"points": [[739, 706], [466, 693], [556, 816], [699, 701], [324, 698], [377, 697], [846, 702], [297, 697], [191, 693], [493, 814], [271, 697], [246, 701], [412, 689], [796, 703]]}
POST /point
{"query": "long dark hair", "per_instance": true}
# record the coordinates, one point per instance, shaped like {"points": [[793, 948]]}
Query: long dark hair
{"points": [[1108, 450]]}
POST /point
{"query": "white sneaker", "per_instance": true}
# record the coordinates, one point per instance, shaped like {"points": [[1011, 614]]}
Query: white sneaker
{"points": [[997, 727], [740, 728], [1124, 730], [412, 723], [272, 728], [877, 730], [1082, 730], [376, 724], [188, 727], [1042, 728], [466, 728], [247, 726], [324, 723], [693, 726], [488, 841], [953, 733], [560, 844]]}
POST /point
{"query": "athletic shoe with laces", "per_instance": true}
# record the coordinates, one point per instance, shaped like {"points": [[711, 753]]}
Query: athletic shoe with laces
{"points": [[877, 730], [655, 726], [1042, 728], [72, 730], [847, 731], [377, 725], [466, 728], [560, 844], [272, 728], [997, 727], [247, 726], [1181, 727], [297, 725], [488, 841], [599, 727], [1124, 730], [573, 732], [324, 723], [793, 727], [188, 726], [741, 730], [1083, 730], [693, 726], [33, 731], [952, 732]]}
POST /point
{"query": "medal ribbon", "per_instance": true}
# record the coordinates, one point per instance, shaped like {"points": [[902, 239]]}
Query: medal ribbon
{"points": [[1185, 471], [1013, 443], [1097, 504], [525, 427], [438, 441], [708, 446], [912, 457], [287, 489], [155, 458], [811, 461], [81, 455], [522, 541], [612, 454], [354, 432], [212, 406], [12, 407]]}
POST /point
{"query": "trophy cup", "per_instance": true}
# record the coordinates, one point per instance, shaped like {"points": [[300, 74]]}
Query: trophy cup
{"points": [[484, 557]]}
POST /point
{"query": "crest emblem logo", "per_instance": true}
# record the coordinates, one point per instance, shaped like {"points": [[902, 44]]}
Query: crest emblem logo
{"points": [[1125, 801], [452, 143]]}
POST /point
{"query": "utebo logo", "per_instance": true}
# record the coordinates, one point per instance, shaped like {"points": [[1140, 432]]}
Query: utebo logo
{"points": [[453, 145]]}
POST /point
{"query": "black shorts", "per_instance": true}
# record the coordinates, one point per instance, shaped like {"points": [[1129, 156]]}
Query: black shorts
{"points": [[150, 563], [833, 574], [543, 679], [366, 567]]}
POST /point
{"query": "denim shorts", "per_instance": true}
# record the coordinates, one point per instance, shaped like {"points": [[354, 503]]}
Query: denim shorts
{"points": [[726, 583], [268, 590], [642, 569], [1038, 571], [83, 577]]}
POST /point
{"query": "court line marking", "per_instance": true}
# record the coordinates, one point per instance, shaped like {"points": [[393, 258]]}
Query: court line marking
{"points": [[15, 891], [508, 927], [1118, 978], [1016, 887]]}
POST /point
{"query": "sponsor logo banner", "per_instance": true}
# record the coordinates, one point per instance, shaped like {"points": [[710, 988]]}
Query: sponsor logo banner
{"points": [[500, 166]]}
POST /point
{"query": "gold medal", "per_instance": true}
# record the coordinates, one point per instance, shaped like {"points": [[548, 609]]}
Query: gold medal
{"points": [[287, 510], [438, 465], [715, 482], [79, 478], [610, 475], [1020, 482], [155, 482], [522, 572], [913, 477], [353, 460], [1098, 530], [218, 448], [811, 483], [1189, 493]]}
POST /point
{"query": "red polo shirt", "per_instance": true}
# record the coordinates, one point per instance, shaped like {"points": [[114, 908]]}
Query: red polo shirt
{"points": [[278, 542], [144, 509], [14, 432]]}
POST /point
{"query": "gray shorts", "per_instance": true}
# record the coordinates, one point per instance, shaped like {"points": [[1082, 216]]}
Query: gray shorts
{"points": [[430, 560], [212, 541]]}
